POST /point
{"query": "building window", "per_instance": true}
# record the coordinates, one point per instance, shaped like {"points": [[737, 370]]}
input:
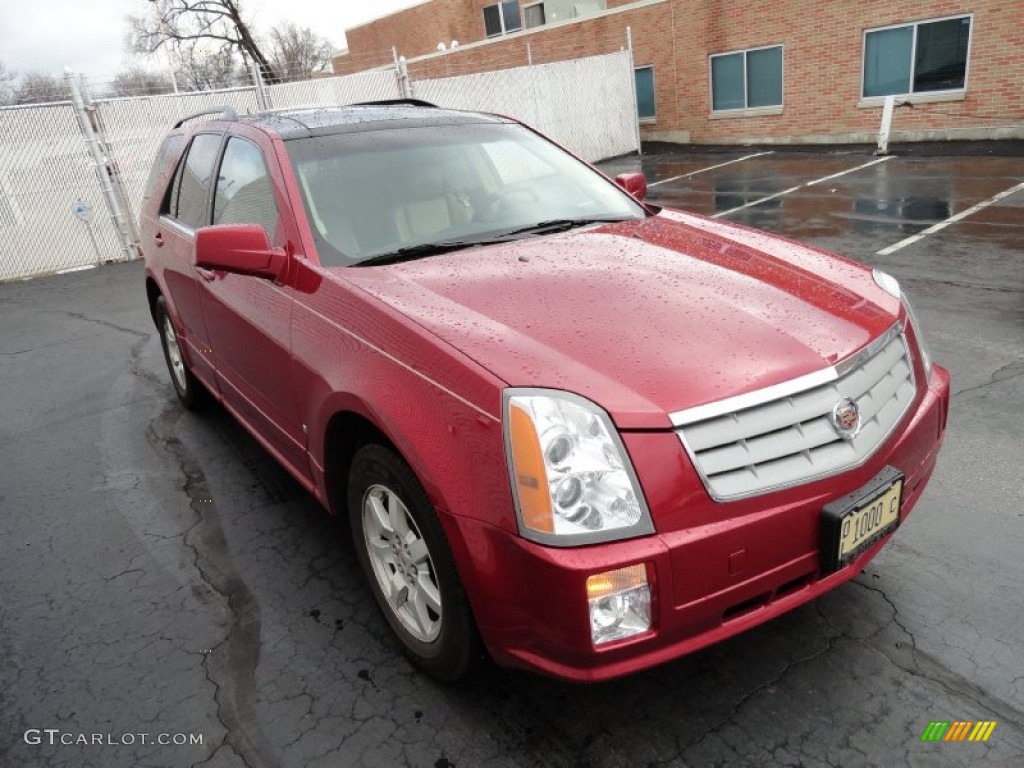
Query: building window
{"points": [[645, 93], [917, 58], [533, 15], [502, 18], [747, 79], [492, 20]]}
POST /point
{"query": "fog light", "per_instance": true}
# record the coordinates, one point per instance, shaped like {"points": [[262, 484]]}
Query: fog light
{"points": [[620, 604]]}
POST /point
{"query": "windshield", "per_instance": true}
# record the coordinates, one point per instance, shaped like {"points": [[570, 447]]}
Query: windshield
{"points": [[373, 193]]}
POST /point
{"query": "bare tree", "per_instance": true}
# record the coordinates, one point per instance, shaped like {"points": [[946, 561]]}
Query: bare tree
{"points": [[204, 69], [39, 88], [137, 81], [298, 51], [217, 26], [6, 91]]}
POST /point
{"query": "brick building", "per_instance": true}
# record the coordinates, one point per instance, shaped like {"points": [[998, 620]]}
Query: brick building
{"points": [[745, 71]]}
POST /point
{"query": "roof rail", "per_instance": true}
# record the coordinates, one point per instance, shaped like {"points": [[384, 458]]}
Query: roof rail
{"points": [[390, 102], [226, 112]]}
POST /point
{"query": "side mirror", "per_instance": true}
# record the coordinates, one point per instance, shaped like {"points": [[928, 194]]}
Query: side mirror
{"points": [[243, 249], [634, 183]]}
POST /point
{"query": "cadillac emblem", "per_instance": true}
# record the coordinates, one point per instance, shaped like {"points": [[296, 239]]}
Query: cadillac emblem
{"points": [[846, 418]]}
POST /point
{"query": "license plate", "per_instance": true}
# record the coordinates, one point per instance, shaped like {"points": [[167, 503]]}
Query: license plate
{"points": [[853, 523]]}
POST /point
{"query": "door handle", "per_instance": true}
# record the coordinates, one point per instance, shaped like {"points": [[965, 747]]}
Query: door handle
{"points": [[207, 274], [159, 240]]}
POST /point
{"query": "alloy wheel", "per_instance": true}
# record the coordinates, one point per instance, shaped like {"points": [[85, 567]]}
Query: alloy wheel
{"points": [[174, 354], [402, 563]]}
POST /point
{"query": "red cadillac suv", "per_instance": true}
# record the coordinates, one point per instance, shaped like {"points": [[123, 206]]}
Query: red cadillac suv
{"points": [[590, 433]]}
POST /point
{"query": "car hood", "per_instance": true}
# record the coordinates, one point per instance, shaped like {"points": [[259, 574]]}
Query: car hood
{"points": [[643, 317]]}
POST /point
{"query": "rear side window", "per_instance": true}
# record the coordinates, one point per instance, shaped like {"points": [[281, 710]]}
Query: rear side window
{"points": [[245, 194], [190, 194], [168, 151]]}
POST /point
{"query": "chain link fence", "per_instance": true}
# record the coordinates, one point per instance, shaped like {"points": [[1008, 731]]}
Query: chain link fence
{"points": [[586, 105], [46, 174], [49, 183], [364, 86]]}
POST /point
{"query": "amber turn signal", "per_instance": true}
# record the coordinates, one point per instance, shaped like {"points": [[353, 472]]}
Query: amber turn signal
{"points": [[531, 479]]}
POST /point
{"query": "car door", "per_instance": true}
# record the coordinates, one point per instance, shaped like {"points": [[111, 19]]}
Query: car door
{"points": [[184, 208], [249, 318]]}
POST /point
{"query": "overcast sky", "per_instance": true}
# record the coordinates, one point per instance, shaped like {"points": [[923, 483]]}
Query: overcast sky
{"points": [[88, 35]]}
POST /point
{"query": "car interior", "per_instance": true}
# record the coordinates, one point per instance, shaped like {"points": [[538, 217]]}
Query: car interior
{"points": [[358, 208]]}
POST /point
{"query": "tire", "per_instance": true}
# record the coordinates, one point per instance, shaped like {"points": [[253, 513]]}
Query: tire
{"points": [[190, 392], [411, 572]]}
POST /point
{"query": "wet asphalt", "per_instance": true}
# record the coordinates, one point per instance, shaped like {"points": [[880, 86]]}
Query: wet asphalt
{"points": [[159, 574]]}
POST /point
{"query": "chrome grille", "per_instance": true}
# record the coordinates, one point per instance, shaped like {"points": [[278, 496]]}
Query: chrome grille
{"points": [[783, 435]]}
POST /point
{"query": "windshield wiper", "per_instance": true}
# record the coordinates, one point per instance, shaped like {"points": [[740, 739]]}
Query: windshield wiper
{"points": [[411, 252], [552, 226]]}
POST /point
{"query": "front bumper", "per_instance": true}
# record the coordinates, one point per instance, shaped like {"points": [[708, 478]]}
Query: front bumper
{"points": [[716, 569]]}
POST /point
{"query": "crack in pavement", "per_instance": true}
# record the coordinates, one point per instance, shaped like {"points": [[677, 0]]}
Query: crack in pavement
{"points": [[994, 378], [231, 666], [135, 365], [954, 683], [755, 691], [125, 572], [104, 323], [49, 345]]}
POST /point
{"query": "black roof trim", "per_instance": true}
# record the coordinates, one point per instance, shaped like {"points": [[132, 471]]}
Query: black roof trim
{"points": [[397, 102], [226, 112]]}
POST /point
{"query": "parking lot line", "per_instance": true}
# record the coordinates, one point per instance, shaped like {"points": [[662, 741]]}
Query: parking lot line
{"points": [[951, 220], [709, 168], [800, 186], [68, 270]]}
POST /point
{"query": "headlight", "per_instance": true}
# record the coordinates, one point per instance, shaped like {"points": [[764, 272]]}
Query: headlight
{"points": [[887, 282], [922, 346], [572, 480], [891, 285]]}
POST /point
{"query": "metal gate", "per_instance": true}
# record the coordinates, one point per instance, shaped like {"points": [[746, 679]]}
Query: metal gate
{"points": [[46, 176]]}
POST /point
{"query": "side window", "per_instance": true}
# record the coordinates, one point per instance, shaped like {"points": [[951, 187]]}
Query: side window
{"points": [[169, 205], [244, 193], [167, 151], [189, 194]]}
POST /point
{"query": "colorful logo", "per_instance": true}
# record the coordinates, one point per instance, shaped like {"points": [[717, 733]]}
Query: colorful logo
{"points": [[958, 730], [846, 418]]}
